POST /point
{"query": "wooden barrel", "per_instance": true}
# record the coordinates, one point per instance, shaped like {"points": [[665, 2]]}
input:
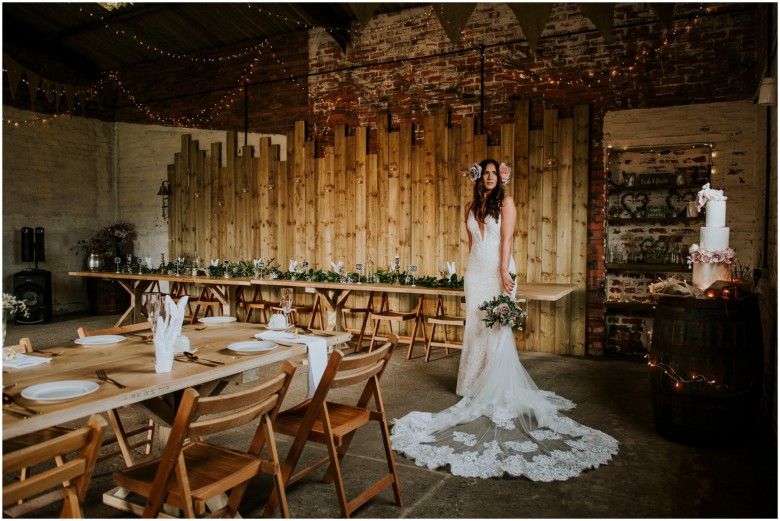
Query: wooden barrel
{"points": [[706, 370]]}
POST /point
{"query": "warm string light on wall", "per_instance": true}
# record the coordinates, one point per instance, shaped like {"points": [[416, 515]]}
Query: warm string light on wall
{"points": [[614, 72], [207, 114], [171, 54]]}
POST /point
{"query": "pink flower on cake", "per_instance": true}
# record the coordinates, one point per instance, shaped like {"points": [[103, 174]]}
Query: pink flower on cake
{"points": [[707, 194], [699, 254]]}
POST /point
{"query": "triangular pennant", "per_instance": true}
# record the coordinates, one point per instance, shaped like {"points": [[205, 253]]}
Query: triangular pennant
{"points": [[533, 18], [33, 80], [70, 96], [46, 87], [363, 11], [666, 13], [453, 17], [15, 71], [602, 16]]}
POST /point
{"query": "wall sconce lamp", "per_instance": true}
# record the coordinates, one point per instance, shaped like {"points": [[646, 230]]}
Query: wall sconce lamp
{"points": [[164, 192], [767, 93]]}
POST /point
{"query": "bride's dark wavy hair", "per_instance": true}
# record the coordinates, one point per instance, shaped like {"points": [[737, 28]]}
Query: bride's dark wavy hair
{"points": [[494, 199]]}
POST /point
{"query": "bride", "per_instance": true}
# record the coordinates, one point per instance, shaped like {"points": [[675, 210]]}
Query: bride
{"points": [[504, 424]]}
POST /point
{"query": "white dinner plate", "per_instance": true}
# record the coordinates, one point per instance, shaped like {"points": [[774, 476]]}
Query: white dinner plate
{"points": [[252, 346], [99, 340], [57, 391], [216, 320]]}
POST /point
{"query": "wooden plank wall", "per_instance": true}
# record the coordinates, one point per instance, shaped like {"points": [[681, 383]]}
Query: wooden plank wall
{"points": [[406, 199]]}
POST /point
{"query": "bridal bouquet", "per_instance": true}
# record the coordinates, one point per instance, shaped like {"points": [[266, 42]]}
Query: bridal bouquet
{"points": [[504, 311]]}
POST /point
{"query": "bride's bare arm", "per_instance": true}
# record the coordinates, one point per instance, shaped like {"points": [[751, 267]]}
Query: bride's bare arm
{"points": [[466, 221], [508, 220]]}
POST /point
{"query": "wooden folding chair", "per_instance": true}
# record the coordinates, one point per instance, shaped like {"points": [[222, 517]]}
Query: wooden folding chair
{"points": [[333, 424], [257, 303], [441, 318], [315, 309], [192, 471], [385, 314], [127, 440], [43, 435], [69, 479], [365, 311], [208, 300]]}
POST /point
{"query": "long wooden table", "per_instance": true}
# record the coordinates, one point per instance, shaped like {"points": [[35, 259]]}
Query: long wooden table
{"points": [[136, 284], [131, 362], [335, 294]]}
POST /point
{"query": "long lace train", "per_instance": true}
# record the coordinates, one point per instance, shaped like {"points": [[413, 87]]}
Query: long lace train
{"points": [[507, 427]]}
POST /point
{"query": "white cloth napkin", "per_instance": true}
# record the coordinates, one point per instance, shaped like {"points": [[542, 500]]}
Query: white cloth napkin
{"points": [[317, 349], [337, 266], [25, 361], [167, 331], [451, 268]]}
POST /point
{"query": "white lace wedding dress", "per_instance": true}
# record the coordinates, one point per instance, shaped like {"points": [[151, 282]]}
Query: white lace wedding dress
{"points": [[504, 424]]}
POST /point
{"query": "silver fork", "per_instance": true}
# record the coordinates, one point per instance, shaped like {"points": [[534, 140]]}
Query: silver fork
{"points": [[101, 373]]}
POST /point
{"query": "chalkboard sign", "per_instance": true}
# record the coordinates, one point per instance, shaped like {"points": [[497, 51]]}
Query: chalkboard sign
{"points": [[655, 180], [656, 211]]}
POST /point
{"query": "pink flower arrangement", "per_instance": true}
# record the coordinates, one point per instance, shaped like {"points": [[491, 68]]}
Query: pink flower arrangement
{"points": [[505, 173], [697, 254], [504, 311]]}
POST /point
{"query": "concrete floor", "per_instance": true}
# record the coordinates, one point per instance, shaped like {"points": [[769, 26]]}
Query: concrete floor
{"points": [[651, 477]]}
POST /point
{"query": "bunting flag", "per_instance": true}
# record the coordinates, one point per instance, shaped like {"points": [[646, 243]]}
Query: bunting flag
{"points": [[15, 71], [666, 13], [533, 18], [453, 17], [601, 14], [33, 80], [363, 11]]}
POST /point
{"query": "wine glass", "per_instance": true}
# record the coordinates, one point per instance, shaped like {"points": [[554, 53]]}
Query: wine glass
{"points": [[442, 269], [286, 304], [117, 261], [153, 307]]}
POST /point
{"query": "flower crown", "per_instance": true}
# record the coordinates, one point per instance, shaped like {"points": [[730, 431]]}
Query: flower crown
{"points": [[504, 173]]}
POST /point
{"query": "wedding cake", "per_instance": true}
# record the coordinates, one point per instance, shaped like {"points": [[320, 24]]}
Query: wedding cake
{"points": [[712, 258]]}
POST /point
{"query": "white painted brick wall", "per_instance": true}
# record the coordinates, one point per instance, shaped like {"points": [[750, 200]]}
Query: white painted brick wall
{"points": [[76, 176]]}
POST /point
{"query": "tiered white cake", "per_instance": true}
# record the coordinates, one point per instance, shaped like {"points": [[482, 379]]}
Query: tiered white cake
{"points": [[712, 258]]}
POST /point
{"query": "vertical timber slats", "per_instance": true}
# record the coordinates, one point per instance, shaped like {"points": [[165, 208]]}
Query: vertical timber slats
{"points": [[405, 199]]}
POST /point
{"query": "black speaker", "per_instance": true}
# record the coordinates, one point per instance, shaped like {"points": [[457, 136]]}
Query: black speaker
{"points": [[33, 287], [40, 247], [28, 244]]}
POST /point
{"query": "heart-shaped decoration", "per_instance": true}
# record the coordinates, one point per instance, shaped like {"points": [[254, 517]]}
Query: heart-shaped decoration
{"points": [[679, 202], [635, 203], [647, 246]]}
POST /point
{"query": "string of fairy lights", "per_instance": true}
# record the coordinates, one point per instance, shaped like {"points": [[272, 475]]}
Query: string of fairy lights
{"points": [[206, 114], [680, 381]]}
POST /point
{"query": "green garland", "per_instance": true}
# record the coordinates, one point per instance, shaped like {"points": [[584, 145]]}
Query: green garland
{"points": [[243, 269]]}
